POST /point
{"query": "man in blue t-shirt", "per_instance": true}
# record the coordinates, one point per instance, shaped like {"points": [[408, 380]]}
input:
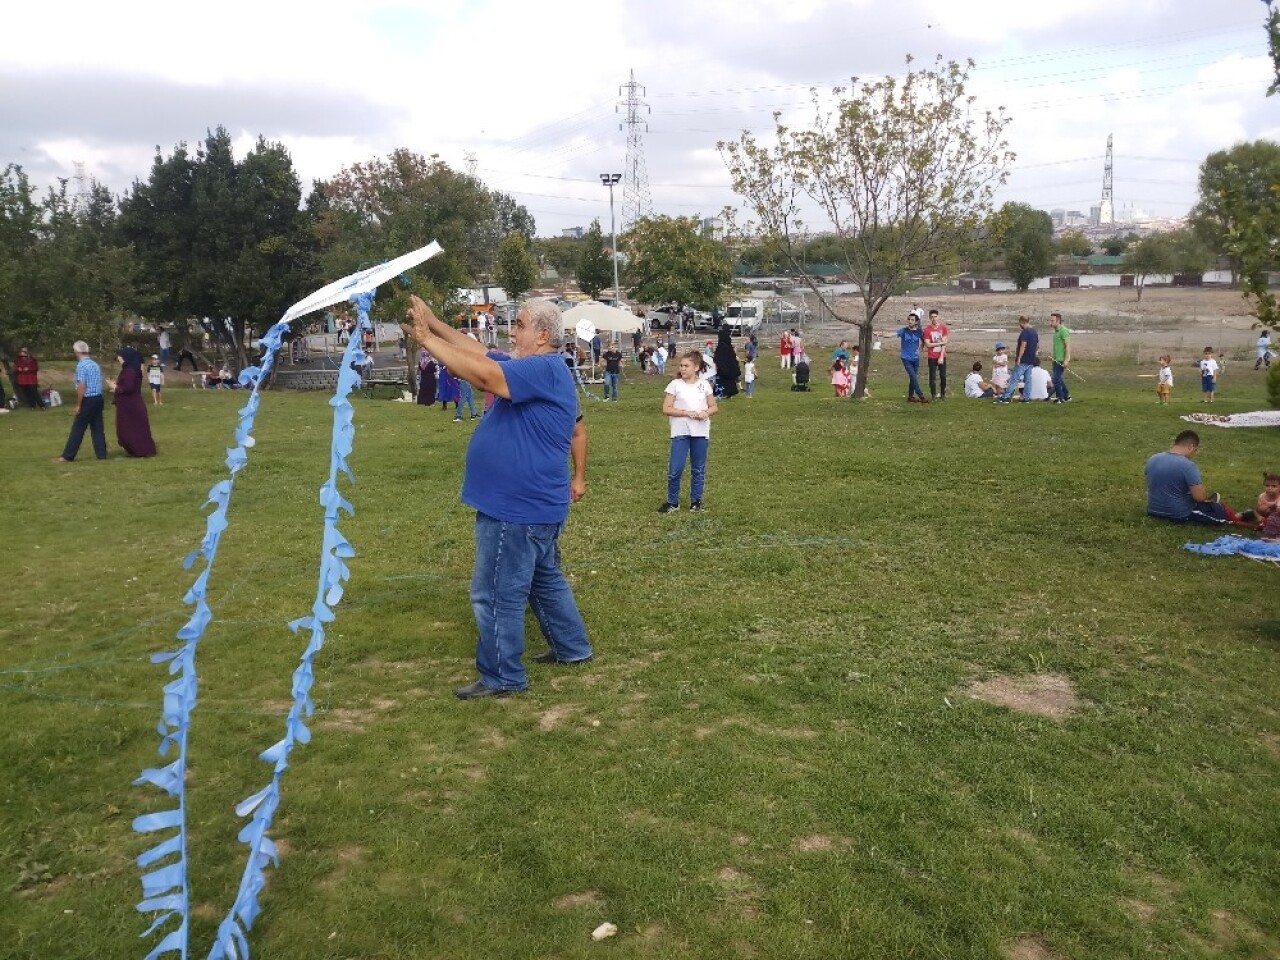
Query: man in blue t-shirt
{"points": [[1174, 489], [911, 337], [517, 479]]}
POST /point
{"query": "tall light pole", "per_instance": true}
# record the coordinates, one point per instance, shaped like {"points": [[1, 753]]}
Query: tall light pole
{"points": [[609, 180]]}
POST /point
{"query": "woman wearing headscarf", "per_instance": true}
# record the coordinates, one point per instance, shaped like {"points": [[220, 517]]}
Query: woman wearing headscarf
{"points": [[133, 429], [426, 379], [727, 369], [447, 391]]}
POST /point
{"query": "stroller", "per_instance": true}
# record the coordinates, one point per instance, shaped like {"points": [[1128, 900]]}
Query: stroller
{"points": [[800, 377]]}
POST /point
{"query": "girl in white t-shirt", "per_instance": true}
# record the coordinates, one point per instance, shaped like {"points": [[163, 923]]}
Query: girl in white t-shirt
{"points": [[689, 403]]}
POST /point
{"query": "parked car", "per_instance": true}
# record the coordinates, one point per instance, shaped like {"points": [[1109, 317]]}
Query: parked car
{"points": [[663, 318]]}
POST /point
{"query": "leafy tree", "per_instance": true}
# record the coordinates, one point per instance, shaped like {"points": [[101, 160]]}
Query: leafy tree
{"points": [[517, 271], [19, 219], [561, 253], [595, 267], [1152, 254], [221, 241], [1115, 246], [378, 209], [1273, 47], [1187, 251], [512, 216], [1026, 239], [903, 170], [1073, 243], [670, 260], [1239, 215]]}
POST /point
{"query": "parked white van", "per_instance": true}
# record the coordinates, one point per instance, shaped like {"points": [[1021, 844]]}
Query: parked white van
{"points": [[744, 316]]}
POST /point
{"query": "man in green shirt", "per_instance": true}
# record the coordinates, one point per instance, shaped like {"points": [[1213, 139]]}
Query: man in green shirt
{"points": [[1061, 357]]}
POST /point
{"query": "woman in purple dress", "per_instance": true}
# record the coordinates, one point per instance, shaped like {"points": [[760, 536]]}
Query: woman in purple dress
{"points": [[447, 392], [426, 379], [133, 428]]}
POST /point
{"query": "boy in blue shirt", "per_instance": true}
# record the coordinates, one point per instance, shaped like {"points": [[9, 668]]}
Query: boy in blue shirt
{"points": [[911, 338]]}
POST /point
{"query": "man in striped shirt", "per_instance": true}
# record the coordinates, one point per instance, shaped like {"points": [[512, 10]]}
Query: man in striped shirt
{"points": [[89, 407]]}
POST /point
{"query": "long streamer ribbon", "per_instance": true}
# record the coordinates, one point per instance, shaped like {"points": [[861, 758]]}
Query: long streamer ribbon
{"points": [[232, 942], [165, 888]]}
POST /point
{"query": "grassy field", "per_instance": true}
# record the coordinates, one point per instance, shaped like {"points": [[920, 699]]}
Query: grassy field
{"points": [[780, 749]]}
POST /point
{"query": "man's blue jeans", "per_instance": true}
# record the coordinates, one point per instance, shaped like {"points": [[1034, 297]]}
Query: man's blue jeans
{"points": [[1060, 390], [611, 385], [518, 564], [913, 377], [694, 449], [1022, 372], [466, 395]]}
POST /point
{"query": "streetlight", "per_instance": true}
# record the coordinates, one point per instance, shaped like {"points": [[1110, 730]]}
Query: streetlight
{"points": [[609, 179]]}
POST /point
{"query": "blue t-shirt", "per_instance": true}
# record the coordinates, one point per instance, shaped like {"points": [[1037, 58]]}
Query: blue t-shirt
{"points": [[910, 342], [1031, 342], [517, 466], [1170, 477]]}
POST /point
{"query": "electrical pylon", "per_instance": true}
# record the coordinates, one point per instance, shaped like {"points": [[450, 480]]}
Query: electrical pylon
{"points": [[1107, 210], [636, 202]]}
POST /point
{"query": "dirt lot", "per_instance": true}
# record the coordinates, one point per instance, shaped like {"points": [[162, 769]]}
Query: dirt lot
{"points": [[1108, 322]]}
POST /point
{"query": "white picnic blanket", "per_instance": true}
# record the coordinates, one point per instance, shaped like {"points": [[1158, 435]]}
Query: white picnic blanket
{"points": [[1256, 418]]}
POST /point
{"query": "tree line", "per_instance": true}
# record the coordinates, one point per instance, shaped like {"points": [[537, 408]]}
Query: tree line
{"points": [[217, 247]]}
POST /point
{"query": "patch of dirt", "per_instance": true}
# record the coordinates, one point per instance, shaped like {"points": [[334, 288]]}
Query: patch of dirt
{"points": [[1272, 740], [731, 875], [741, 893], [494, 740], [1030, 948], [820, 843], [570, 901], [206, 911], [348, 857], [1044, 694], [1139, 909], [742, 840], [552, 718], [347, 719]]}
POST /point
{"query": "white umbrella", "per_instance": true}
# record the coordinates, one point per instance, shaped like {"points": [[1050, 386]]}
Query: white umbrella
{"points": [[603, 317]]}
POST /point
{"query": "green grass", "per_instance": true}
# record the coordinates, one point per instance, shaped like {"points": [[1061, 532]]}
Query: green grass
{"points": [[774, 753]]}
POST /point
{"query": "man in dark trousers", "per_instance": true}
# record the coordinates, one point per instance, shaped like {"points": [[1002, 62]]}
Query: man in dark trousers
{"points": [[89, 407], [517, 480], [612, 371], [1025, 360]]}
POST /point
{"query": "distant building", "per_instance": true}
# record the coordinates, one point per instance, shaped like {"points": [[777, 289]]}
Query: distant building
{"points": [[1095, 216], [713, 226], [1058, 216], [574, 233]]}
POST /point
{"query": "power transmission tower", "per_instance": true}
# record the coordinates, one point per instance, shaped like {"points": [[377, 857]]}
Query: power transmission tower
{"points": [[1107, 212], [636, 202], [470, 159], [80, 202]]}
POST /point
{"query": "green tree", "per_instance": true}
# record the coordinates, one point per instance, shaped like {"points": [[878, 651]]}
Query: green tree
{"points": [[903, 169], [1026, 240], [670, 260], [1115, 246], [378, 209], [595, 266], [1073, 243], [517, 271], [20, 320], [1187, 252], [1238, 214], [1150, 255], [560, 253], [1273, 46]]}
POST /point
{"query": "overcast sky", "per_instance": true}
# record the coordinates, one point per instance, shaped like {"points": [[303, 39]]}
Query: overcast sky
{"points": [[532, 90]]}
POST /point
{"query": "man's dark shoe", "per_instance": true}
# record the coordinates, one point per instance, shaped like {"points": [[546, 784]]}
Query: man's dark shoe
{"points": [[695, 507], [478, 689], [668, 508], [550, 657]]}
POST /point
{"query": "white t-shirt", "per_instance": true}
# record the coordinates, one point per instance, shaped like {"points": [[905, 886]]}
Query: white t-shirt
{"points": [[1000, 370], [709, 373], [1208, 367], [1040, 381], [661, 354], [691, 397], [1166, 376], [155, 374], [749, 372], [971, 384], [1264, 346], [164, 340]]}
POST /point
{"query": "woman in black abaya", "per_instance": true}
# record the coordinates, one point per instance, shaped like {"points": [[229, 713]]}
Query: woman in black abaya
{"points": [[727, 369]]}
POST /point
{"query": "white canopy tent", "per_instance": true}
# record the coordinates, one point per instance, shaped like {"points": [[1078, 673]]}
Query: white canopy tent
{"points": [[604, 318]]}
